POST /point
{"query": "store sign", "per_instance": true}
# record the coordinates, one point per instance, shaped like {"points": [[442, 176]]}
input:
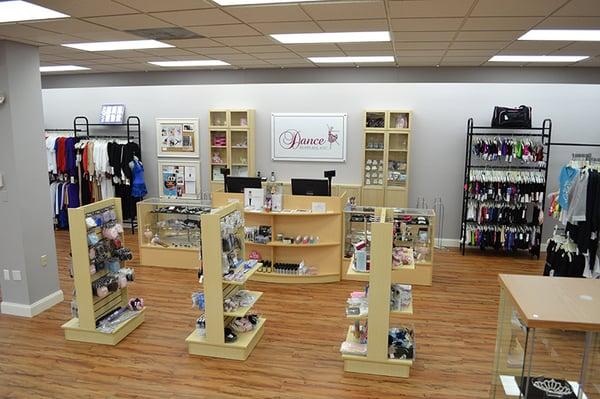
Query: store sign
{"points": [[308, 137]]}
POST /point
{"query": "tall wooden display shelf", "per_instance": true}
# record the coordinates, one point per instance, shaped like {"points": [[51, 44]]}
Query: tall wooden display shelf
{"points": [[216, 289], [231, 140], [386, 158], [91, 308], [380, 278], [324, 255]]}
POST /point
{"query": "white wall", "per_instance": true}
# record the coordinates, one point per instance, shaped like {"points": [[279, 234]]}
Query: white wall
{"points": [[440, 113]]}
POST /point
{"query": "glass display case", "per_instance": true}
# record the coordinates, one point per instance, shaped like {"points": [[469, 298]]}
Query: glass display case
{"points": [[414, 228], [548, 341], [357, 227], [171, 225]]}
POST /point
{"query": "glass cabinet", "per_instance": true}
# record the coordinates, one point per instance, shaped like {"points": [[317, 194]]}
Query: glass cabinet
{"points": [[414, 228], [357, 227], [548, 341]]}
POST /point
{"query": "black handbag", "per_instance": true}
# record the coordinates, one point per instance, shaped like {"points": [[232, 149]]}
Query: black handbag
{"points": [[512, 117]]}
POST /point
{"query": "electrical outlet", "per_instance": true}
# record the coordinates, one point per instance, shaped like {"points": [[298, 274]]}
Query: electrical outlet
{"points": [[44, 260], [6, 274], [16, 275]]}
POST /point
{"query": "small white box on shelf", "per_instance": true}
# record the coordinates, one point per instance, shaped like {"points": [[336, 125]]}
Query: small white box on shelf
{"points": [[254, 199]]}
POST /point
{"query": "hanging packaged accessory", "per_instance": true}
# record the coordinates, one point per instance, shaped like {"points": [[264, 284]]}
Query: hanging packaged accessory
{"points": [[512, 117]]}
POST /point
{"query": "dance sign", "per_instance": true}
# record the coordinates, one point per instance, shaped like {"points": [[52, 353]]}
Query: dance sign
{"points": [[308, 137]]}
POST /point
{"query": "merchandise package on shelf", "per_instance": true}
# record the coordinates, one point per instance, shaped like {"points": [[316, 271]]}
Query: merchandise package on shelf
{"points": [[400, 301], [401, 343]]}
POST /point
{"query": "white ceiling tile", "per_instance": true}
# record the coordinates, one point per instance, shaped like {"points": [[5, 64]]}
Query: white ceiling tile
{"points": [[188, 43], [113, 61], [119, 53], [51, 57], [583, 46], [85, 8], [571, 51], [345, 10], [355, 25], [423, 36], [580, 8], [570, 23], [421, 45], [360, 53], [429, 8], [330, 53], [536, 45], [126, 22], [478, 45], [212, 16], [246, 41], [516, 8], [109, 35], [524, 52], [18, 31], [322, 47], [262, 49], [591, 62], [236, 57], [500, 23], [426, 24], [273, 13], [268, 28], [418, 61], [275, 56], [489, 35], [471, 53], [68, 26], [366, 46], [224, 30], [420, 53], [479, 60], [166, 52], [456, 62], [214, 50], [171, 5], [252, 62]]}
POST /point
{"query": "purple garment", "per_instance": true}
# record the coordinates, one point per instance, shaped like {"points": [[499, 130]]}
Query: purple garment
{"points": [[73, 192], [70, 155]]}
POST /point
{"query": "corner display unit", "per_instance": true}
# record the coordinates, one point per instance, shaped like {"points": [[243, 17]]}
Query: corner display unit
{"points": [[414, 231], [230, 334], [296, 245], [170, 234], [98, 303], [386, 158], [371, 345], [548, 338], [231, 136], [504, 188]]}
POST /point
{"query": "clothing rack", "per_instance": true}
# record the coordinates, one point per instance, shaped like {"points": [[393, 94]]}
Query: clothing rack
{"points": [[133, 132], [544, 132]]}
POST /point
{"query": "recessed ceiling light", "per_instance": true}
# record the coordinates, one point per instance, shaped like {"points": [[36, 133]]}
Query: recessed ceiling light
{"points": [[193, 63], [14, 11], [120, 45], [538, 58], [62, 68], [569, 35], [333, 37], [247, 2], [357, 60]]}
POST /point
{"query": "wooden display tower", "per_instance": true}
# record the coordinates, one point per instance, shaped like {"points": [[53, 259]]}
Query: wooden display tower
{"points": [[216, 290], [231, 137], [91, 308], [380, 278], [387, 143], [325, 255]]}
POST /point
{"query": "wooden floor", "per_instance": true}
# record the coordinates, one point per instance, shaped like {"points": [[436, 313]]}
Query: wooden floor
{"points": [[298, 357]]}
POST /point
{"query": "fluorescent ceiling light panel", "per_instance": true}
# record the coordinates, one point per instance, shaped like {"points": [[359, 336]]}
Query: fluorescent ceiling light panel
{"points": [[62, 68], [538, 58], [568, 35], [196, 63], [248, 2], [14, 11], [333, 37], [120, 45], [356, 60]]}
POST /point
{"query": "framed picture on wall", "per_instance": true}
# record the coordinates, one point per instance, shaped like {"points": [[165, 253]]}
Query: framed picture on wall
{"points": [[177, 137], [178, 179]]}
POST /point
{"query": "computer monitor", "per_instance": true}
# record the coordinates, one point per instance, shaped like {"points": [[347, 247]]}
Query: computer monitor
{"points": [[310, 187], [234, 184]]}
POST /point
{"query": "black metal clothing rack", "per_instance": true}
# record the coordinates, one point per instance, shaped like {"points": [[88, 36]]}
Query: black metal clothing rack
{"points": [[133, 131], [544, 132]]}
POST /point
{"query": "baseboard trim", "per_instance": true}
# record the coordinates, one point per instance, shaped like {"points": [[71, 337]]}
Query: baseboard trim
{"points": [[19, 309]]}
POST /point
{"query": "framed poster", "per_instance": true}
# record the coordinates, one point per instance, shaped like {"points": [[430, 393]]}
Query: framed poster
{"points": [[177, 138], [308, 137], [112, 114], [178, 179]]}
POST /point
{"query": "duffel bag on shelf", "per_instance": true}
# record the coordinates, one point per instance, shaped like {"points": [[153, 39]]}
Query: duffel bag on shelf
{"points": [[512, 117]]}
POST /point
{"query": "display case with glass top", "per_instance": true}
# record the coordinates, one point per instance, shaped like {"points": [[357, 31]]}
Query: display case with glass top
{"points": [[414, 228], [170, 231]]}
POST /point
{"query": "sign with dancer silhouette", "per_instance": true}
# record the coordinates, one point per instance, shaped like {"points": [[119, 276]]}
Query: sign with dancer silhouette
{"points": [[308, 137]]}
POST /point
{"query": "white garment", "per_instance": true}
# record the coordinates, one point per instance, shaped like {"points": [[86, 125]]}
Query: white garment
{"points": [[578, 198], [53, 197], [50, 153], [106, 188]]}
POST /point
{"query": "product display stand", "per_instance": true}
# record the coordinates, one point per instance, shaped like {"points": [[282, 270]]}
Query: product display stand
{"points": [[231, 135], [91, 308], [386, 158], [380, 277], [216, 289], [324, 255], [543, 133]]}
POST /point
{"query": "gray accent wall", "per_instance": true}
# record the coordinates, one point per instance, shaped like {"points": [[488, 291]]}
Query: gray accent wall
{"points": [[440, 113], [26, 231]]}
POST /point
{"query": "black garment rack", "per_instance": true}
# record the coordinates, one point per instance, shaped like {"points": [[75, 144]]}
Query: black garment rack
{"points": [[133, 131], [544, 132]]}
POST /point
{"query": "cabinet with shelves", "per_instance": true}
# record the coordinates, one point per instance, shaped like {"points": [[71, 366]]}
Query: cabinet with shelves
{"points": [[231, 135]]}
